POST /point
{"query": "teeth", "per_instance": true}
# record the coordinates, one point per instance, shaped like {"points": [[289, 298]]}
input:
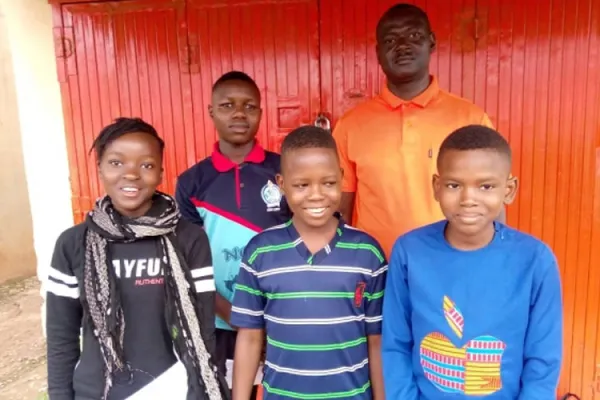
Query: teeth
{"points": [[127, 189], [316, 210]]}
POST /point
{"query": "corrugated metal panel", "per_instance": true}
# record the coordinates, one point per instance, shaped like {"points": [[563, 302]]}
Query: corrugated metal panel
{"points": [[543, 78], [276, 42], [535, 67]]}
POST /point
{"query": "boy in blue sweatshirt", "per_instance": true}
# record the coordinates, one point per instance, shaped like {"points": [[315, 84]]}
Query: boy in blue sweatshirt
{"points": [[472, 307]]}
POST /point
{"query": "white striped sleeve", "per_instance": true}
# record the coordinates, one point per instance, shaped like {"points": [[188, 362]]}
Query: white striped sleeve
{"points": [[203, 278], [61, 284]]}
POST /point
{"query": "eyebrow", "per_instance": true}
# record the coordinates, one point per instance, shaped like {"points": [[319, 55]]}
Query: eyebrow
{"points": [[478, 180], [119, 153]]}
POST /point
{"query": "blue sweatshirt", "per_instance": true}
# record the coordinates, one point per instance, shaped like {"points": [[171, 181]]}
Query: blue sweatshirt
{"points": [[464, 324]]}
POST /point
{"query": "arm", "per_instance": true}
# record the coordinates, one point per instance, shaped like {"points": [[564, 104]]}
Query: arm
{"points": [[375, 367], [340, 134], [63, 324], [397, 343], [373, 316], [248, 350], [347, 206], [223, 308], [199, 261], [183, 197], [544, 337], [247, 313]]}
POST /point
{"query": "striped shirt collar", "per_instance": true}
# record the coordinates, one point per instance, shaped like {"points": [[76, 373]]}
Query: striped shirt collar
{"points": [[319, 256]]}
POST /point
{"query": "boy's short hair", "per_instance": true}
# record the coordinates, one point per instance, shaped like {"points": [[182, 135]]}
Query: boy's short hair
{"points": [[403, 8], [234, 76], [308, 137], [475, 137], [120, 127]]}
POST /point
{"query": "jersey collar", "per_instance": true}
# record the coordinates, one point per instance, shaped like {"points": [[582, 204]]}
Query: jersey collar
{"points": [[224, 164]]}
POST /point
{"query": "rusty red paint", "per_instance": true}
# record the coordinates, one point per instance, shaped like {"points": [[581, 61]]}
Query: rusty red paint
{"points": [[534, 66]]}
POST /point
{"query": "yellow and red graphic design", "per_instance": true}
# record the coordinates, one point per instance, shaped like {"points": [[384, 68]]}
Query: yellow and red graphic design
{"points": [[474, 369]]}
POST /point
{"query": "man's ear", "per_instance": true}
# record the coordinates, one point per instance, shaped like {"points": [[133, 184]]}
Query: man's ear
{"points": [[435, 184], [279, 180], [433, 41], [211, 111], [511, 189]]}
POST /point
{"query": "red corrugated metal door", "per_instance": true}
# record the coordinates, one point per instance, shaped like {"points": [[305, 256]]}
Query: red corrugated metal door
{"points": [[276, 42], [121, 58], [535, 67]]}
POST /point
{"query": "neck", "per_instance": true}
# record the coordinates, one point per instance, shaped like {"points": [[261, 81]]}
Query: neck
{"points": [[236, 153], [138, 212], [312, 234], [410, 89], [461, 241]]}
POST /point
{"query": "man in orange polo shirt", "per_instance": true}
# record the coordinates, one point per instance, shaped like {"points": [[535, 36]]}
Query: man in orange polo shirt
{"points": [[388, 145]]}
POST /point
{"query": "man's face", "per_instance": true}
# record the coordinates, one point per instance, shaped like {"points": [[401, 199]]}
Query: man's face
{"points": [[235, 111], [404, 46]]}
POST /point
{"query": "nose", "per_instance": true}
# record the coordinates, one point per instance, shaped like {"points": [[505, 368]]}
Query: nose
{"points": [[131, 173], [468, 197], [402, 42], [316, 193], [239, 112]]}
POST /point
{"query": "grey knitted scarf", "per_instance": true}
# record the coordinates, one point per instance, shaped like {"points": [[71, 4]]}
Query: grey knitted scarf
{"points": [[101, 295]]}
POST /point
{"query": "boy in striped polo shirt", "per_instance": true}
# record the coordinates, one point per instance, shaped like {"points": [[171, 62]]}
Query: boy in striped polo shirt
{"points": [[314, 285]]}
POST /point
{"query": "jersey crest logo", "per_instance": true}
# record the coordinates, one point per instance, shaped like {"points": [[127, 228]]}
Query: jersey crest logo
{"points": [[271, 195]]}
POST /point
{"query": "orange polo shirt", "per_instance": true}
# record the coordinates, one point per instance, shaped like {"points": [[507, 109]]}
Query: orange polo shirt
{"points": [[388, 149]]}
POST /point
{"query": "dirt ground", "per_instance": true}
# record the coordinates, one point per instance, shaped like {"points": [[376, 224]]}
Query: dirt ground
{"points": [[22, 346]]}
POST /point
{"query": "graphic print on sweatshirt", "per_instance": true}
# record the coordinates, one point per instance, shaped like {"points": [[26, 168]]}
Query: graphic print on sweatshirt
{"points": [[473, 370], [142, 271]]}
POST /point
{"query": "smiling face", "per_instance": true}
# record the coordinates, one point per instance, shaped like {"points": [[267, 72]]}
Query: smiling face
{"points": [[235, 111], [404, 45], [311, 182], [472, 188], [130, 170]]}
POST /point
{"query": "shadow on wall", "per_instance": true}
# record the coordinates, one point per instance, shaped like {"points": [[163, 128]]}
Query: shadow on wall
{"points": [[17, 256]]}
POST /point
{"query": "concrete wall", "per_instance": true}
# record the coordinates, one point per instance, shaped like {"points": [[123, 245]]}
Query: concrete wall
{"points": [[17, 257], [29, 27]]}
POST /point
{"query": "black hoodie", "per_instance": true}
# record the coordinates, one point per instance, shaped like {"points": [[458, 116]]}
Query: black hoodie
{"points": [[78, 374]]}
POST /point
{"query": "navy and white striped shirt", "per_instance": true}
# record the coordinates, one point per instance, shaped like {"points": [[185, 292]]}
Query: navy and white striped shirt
{"points": [[317, 310]]}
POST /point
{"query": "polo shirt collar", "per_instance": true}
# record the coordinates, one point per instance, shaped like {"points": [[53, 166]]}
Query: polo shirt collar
{"points": [[422, 100], [321, 254], [224, 164]]}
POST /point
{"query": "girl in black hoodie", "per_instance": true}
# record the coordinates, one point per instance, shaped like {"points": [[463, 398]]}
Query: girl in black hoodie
{"points": [[134, 279]]}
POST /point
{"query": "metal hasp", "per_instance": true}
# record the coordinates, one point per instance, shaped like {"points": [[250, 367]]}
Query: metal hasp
{"points": [[323, 122]]}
